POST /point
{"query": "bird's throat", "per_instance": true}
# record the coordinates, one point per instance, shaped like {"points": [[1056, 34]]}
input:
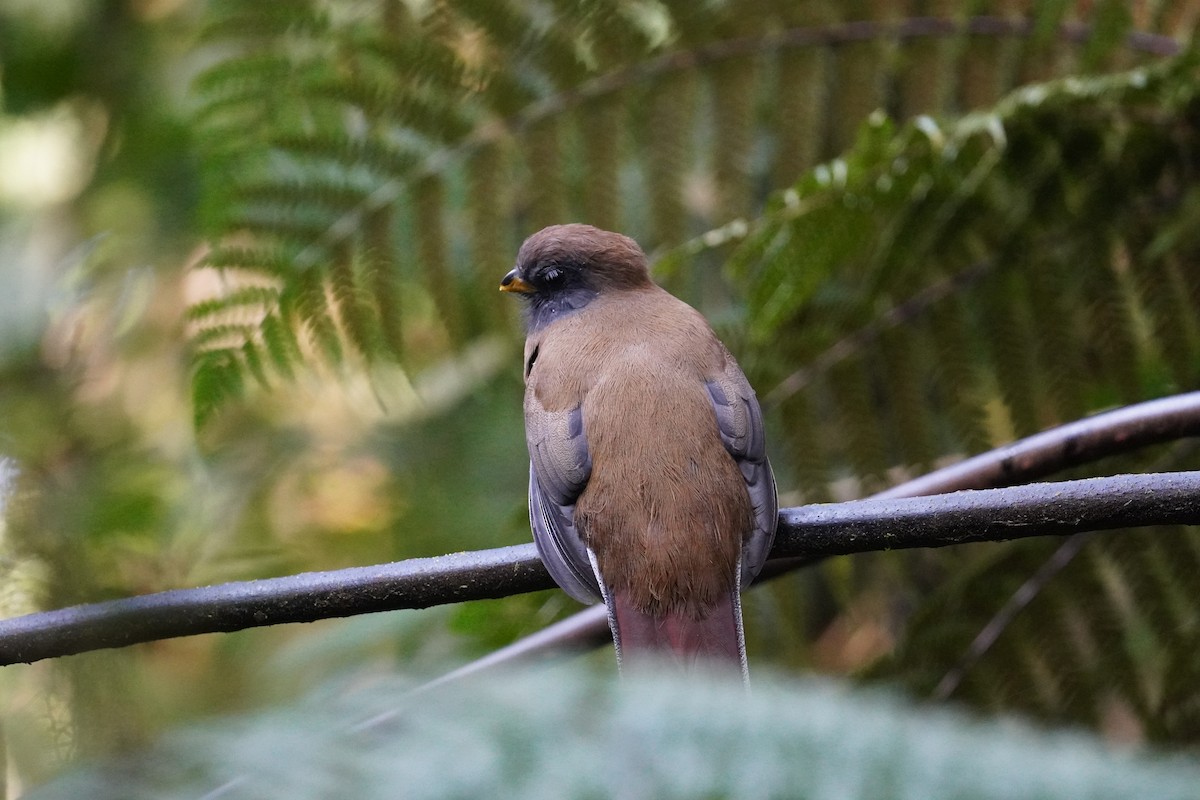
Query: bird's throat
{"points": [[544, 309]]}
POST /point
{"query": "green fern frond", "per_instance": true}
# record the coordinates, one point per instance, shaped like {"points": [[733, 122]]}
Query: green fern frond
{"points": [[1163, 283], [1112, 345], [321, 123], [489, 203], [733, 88], [805, 449], [543, 158], [304, 304], [667, 143], [226, 333], [381, 279], [435, 117], [217, 378], [328, 193], [282, 347], [856, 399], [339, 152], [271, 223], [550, 42], [245, 296], [799, 103], [262, 258], [235, 117], [435, 66], [252, 357], [962, 391], [349, 299], [231, 19], [1053, 298], [916, 288], [613, 34], [813, 251], [1009, 343], [1065, 657], [906, 374], [433, 258], [249, 71], [601, 123]]}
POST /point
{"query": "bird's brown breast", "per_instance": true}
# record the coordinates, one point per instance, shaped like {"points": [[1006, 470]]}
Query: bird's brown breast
{"points": [[665, 509]]}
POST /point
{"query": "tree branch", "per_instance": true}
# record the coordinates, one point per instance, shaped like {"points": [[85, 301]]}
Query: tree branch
{"points": [[989, 515], [309, 596], [1111, 433], [807, 531]]}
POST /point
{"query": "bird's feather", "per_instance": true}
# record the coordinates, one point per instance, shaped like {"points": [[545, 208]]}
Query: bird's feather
{"points": [[740, 423], [559, 466], [677, 636]]}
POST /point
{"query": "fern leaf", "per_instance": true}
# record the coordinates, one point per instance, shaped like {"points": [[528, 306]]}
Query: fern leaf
{"points": [[352, 311], [259, 258], [601, 122], [251, 296], [227, 333], [304, 304], [733, 90], [382, 277], [667, 144], [800, 126], [232, 19], [217, 378], [543, 159], [282, 346], [432, 254], [489, 204]]}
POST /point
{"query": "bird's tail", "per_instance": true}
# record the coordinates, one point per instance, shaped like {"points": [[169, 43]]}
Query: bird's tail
{"points": [[676, 636]]}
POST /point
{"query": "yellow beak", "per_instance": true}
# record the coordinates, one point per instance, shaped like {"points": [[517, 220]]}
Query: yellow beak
{"points": [[513, 283]]}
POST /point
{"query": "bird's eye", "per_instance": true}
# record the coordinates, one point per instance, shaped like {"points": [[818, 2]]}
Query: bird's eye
{"points": [[552, 275]]}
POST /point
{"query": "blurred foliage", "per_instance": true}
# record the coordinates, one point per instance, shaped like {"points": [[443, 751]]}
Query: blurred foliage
{"points": [[557, 733], [913, 261]]}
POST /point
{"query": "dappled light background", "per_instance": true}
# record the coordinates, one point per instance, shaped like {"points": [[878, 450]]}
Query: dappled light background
{"points": [[110, 493], [249, 323]]}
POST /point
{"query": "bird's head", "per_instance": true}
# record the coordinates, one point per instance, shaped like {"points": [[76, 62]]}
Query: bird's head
{"points": [[564, 267]]}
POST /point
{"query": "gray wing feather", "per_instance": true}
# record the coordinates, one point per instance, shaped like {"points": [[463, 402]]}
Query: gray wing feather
{"points": [[739, 420], [559, 468]]}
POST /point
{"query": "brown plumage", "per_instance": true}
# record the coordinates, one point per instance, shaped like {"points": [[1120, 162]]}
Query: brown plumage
{"points": [[649, 481]]}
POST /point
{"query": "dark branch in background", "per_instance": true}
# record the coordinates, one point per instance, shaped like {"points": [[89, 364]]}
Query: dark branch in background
{"points": [[900, 314], [1015, 604], [1074, 444], [806, 533], [990, 633], [715, 52], [989, 515], [817, 36]]}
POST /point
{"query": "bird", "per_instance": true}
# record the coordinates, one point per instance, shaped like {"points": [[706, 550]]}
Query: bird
{"points": [[649, 485]]}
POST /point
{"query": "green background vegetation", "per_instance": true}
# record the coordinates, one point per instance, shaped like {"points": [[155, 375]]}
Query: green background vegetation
{"points": [[249, 323]]}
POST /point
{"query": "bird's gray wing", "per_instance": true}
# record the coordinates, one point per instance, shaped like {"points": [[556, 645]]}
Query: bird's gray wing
{"points": [[559, 467], [739, 420]]}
